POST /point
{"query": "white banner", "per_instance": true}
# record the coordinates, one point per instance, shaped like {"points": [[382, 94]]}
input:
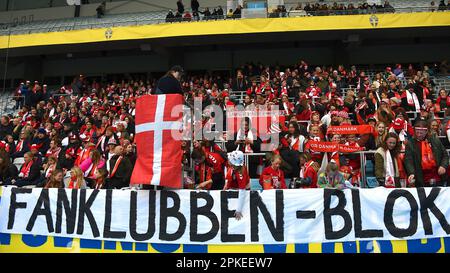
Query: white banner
{"points": [[200, 217]]}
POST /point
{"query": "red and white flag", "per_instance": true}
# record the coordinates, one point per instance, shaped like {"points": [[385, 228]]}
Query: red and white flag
{"points": [[159, 154]]}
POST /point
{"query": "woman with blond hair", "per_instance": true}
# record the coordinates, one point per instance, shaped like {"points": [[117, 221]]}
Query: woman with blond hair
{"points": [[76, 179]]}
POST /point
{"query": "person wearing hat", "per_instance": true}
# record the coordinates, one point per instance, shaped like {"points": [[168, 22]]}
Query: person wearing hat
{"points": [[84, 151], [170, 82], [109, 152], [236, 175], [399, 127], [42, 141], [121, 131], [103, 141], [34, 149], [426, 160]]}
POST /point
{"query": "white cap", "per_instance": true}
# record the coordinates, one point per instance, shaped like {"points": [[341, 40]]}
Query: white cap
{"points": [[236, 158]]}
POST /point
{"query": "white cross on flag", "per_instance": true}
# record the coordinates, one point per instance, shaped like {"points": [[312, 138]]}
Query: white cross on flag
{"points": [[159, 155]]}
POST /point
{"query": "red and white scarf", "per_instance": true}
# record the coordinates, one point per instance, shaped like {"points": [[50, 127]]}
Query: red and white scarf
{"points": [[19, 146], [26, 169], [412, 99], [116, 166]]}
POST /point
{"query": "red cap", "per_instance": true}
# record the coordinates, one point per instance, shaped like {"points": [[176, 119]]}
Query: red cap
{"points": [[398, 124], [57, 125], [34, 147]]}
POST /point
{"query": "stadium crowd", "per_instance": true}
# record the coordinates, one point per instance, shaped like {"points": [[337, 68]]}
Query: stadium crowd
{"points": [[311, 9], [82, 136]]}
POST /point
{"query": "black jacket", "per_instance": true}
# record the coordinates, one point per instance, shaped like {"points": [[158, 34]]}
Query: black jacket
{"points": [[168, 85], [9, 173], [121, 178], [413, 158], [35, 172], [5, 130], [180, 7]]}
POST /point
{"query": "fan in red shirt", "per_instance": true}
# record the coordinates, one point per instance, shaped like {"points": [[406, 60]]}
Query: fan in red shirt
{"points": [[237, 176], [254, 89], [308, 172], [272, 177], [210, 166], [313, 90]]}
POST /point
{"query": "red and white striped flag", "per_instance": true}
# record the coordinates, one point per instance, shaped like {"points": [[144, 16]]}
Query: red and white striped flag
{"points": [[159, 154]]}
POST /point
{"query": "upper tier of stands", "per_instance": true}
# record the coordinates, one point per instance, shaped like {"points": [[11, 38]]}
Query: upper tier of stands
{"points": [[156, 17]]}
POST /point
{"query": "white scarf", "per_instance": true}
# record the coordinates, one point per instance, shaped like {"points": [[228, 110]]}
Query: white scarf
{"points": [[286, 107], [401, 135], [108, 159], [300, 139], [412, 99], [241, 136], [390, 172], [52, 112]]}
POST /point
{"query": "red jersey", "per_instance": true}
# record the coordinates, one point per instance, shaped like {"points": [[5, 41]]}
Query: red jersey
{"points": [[275, 177], [236, 180], [308, 171], [205, 174], [215, 161]]}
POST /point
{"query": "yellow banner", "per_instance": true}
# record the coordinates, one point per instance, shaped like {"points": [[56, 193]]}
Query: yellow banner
{"points": [[16, 243], [243, 26]]}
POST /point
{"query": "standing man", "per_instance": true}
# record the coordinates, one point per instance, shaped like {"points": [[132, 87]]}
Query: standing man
{"points": [[426, 160], [180, 6], [170, 83], [195, 5]]}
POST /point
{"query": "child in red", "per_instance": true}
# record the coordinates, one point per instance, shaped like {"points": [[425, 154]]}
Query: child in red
{"points": [[272, 177], [236, 177]]}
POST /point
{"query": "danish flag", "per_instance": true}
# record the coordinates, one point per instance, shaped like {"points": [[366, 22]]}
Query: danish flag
{"points": [[159, 154]]}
